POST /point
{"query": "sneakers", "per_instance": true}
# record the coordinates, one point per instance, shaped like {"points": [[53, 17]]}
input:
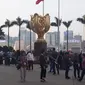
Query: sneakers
{"points": [[43, 80], [67, 77], [54, 73], [79, 80]]}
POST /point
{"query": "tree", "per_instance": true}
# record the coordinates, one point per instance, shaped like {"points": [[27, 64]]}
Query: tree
{"points": [[58, 21], [7, 24], [67, 24], [82, 20], [10, 48], [57, 24], [19, 22], [28, 25]]}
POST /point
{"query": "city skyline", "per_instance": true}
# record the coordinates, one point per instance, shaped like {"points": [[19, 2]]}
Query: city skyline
{"points": [[11, 9]]}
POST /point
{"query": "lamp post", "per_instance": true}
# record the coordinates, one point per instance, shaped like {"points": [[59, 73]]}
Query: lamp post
{"points": [[67, 39], [58, 25], [25, 39], [67, 24], [30, 41], [29, 26], [19, 38], [8, 36]]}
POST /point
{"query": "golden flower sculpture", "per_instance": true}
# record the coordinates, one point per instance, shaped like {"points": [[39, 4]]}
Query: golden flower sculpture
{"points": [[40, 25]]}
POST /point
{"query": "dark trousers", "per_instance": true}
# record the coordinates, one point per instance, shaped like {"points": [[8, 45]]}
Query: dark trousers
{"points": [[30, 65], [54, 71], [7, 61], [82, 74], [76, 71], [66, 71], [51, 67], [57, 67], [43, 72]]}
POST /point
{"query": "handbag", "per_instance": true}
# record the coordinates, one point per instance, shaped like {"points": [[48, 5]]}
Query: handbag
{"points": [[18, 66]]}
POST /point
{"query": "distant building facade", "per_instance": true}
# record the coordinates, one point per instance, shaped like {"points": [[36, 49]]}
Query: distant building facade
{"points": [[78, 37], [3, 43], [70, 35], [52, 38], [72, 44], [83, 46], [16, 45], [25, 36]]}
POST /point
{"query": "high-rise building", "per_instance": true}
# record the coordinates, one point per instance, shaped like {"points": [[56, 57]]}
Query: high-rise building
{"points": [[70, 35], [83, 46], [25, 36], [84, 32], [52, 38], [48, 38], [78, 37]]}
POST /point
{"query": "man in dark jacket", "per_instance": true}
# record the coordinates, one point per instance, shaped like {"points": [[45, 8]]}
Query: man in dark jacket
{"points": [[76, 65], [43, 65], [54, 57], [67, 65]]}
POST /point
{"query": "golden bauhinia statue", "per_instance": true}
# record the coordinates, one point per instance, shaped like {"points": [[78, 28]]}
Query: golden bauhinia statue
{"points": [[40, 25]]}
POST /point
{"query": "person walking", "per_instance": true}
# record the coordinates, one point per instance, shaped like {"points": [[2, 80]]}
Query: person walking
{"points": [[30, 60], [23, 62], [67, 64], [76, 65], [43, 65], [58, 61], [80, 60], [54, 57]]}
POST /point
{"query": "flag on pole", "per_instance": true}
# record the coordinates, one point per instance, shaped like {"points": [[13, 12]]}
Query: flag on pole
{"points": [[38, 1]]}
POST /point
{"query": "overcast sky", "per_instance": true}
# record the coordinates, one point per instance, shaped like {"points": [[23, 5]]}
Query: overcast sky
{"points": [[69, 10]]}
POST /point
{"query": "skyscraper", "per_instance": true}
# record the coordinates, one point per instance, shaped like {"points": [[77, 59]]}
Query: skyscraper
{"points": [[52, 38], [25, 36]]}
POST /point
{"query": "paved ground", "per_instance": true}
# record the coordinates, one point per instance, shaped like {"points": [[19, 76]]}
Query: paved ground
{"points": [[11, 76]]}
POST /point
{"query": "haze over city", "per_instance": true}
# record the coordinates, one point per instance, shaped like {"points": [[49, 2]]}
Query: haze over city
{"points": [[69, 10]]}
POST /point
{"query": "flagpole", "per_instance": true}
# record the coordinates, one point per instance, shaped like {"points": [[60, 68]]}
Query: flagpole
{"points": [[43, 7], [58, 25]]}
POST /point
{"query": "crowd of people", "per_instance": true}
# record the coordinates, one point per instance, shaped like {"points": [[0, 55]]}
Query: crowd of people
{"points": [[21, 59], [56, 61], [63, 60]]}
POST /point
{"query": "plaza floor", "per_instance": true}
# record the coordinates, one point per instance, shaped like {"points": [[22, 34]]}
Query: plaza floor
{"points": [[9, 75]]}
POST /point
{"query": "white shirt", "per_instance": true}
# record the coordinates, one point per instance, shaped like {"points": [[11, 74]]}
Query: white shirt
{"points": [[30, 56]]}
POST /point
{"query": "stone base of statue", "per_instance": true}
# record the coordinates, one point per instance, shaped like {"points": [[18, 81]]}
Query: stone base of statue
{"points": [[38, 46]]}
